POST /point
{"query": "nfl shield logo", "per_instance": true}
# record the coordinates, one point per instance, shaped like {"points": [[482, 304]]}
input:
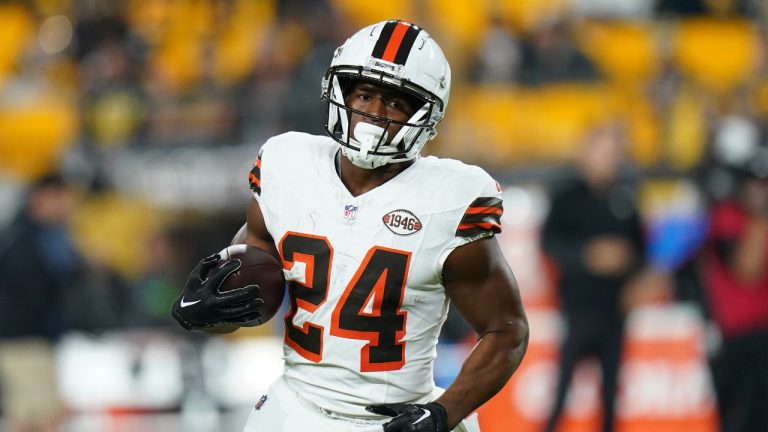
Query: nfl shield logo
{"points": [[350, 212]]}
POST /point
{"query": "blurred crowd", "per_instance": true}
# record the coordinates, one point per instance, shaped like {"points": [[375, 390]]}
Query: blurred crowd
{"points": [[109, 90], [92, 79], [128, 105]]}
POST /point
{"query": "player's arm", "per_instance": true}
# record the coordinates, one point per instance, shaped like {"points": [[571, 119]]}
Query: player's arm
{"points": [[254, 231], [481, 286]]}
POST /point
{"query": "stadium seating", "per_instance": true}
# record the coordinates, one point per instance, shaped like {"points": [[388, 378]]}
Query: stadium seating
{"points": [[716, 53]]}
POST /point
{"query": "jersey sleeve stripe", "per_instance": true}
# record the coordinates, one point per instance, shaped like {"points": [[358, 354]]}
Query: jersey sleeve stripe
{"points": [[480, 210], [485, 225], [254, 177], [483, 216], [477, 230], [254, 180], [487, 202], [480, 218]]}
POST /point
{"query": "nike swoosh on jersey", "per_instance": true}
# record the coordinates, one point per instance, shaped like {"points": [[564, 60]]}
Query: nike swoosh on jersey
{"points": [[185, 304], [423, 416]]}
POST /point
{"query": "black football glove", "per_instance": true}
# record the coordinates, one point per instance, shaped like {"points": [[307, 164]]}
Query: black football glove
{"points": [[201, 305], [429, 417]]}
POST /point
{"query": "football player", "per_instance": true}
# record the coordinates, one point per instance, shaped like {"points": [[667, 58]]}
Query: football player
{"points": [[376, 241]]}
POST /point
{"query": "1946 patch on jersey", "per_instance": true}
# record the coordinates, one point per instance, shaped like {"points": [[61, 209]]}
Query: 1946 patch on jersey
{"points": [[401, 222]]}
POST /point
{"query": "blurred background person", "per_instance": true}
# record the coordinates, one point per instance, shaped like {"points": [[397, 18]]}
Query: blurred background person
{"points": [[593, 235], [497, 59], [550, 54], [734, 272], [38, 266], [158, 283]]}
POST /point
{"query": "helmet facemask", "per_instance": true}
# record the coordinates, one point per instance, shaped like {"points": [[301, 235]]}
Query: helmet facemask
{"points": [[368, 146]]}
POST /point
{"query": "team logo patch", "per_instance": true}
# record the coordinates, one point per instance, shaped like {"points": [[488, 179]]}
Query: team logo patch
{"points": [[350, 212], [401, 222]]}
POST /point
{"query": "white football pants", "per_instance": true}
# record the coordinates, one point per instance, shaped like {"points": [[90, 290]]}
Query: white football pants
{"points": [[284, 410]]}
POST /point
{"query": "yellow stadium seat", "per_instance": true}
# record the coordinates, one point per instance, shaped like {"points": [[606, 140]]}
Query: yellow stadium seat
{"points": [[527, 14], [178, 55], [560, 115], [480, 131], [239, 43], [643, 130], [191, 18], [178, 61], [687, 130], [33, 137], [516, 126], [16, 29], [625, 51], [128, 224], [291, 44], [361, 13], [719, 54], [148, 18], [463, 22]]}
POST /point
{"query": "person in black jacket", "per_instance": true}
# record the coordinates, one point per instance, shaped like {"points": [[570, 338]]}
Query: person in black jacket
{"points": [[593, 235], [38, 264]]}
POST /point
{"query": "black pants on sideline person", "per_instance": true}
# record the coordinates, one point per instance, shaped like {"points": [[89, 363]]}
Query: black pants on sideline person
{"points": [[740, 375], [602, 341]]}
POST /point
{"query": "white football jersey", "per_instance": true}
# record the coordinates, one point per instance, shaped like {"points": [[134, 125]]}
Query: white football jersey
{"points": [[366, 299]]}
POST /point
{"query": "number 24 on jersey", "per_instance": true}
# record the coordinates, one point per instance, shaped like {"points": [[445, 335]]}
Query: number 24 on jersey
{"points": [[379, 281]]}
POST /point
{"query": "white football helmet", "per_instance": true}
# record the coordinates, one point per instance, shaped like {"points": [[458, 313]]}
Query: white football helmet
{"points": [[399, 55]]}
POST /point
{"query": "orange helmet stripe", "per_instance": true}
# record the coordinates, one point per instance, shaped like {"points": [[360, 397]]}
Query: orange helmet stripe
{"points": [[394, 42]]}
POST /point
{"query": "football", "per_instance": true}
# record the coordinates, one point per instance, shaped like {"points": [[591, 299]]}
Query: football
{"points": [[257, 267]]}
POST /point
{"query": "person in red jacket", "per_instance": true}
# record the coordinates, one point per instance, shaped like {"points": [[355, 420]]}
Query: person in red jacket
{"points": [[734, 270]]}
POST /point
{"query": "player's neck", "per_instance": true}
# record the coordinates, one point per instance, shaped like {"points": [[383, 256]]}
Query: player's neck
{"points": [[360, 180]]}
